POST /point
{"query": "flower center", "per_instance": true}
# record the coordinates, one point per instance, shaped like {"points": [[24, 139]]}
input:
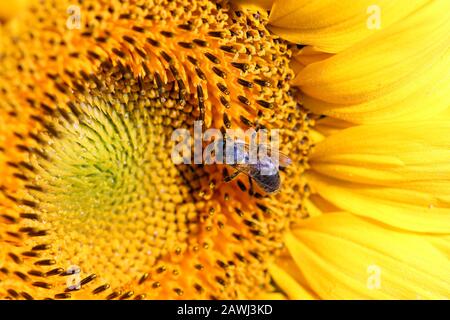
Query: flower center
{"points": [[103, 174]]}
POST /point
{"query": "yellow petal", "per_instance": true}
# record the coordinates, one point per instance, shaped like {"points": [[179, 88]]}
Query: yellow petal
{"points": [[309, 54], [288, 284], [271, 296], [399, 73], [305, 56], [328, 126], [333, 26], [398, 173], [342, 256], [253, 4], [315, 205], [441, 243], [444, 115]]}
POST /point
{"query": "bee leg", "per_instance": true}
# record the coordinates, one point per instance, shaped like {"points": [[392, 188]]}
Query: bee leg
{"points": [[231, 176]]}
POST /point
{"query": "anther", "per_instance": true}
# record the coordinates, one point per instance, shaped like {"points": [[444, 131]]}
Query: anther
{"points": [[239, 212], [224, 102], [86, 34], [26, 296], [217, 34], [198, 287], [30, 254], [212, 58], [100, 289], [178, 291], [226, 121], [13, 293], [8, 218], [159, 82], [88, 279], [200, 73], [54, 272], [125, 16], [223, 88], [192, 60], [244, 100], [36, 273], [143, 278], [153, 42], [37, 233], [199, 267], [175, 72], [240, 257], [265, 104], [200, 43], [166, 57], [141, 53], [138, 29], [93, 55], [187, 27], [21, 275], [41, 284], [220, 280], [15, 258], [119, 53], [238, 236], [222, 264], [167, 34], [187, 45], [113, 295], [126, 295], [241, 66], [219, 72], [262, 207], [262, 83], [45, 262], [41, 247], [161, 269], [228, 49], [245, 83]]}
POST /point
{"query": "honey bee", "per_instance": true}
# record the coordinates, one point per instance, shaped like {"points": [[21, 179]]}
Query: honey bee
{"points": [[264, 170]]}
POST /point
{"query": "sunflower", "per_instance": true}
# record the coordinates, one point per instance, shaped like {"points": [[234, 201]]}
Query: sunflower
{"points": [[93, 207]]}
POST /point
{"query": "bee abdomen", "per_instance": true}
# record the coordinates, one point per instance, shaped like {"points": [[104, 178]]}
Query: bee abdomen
{"points": [[269, 183]]}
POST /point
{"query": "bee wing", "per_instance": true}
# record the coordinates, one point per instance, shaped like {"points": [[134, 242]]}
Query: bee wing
{"points": [[244, 168], [283, 160]]}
